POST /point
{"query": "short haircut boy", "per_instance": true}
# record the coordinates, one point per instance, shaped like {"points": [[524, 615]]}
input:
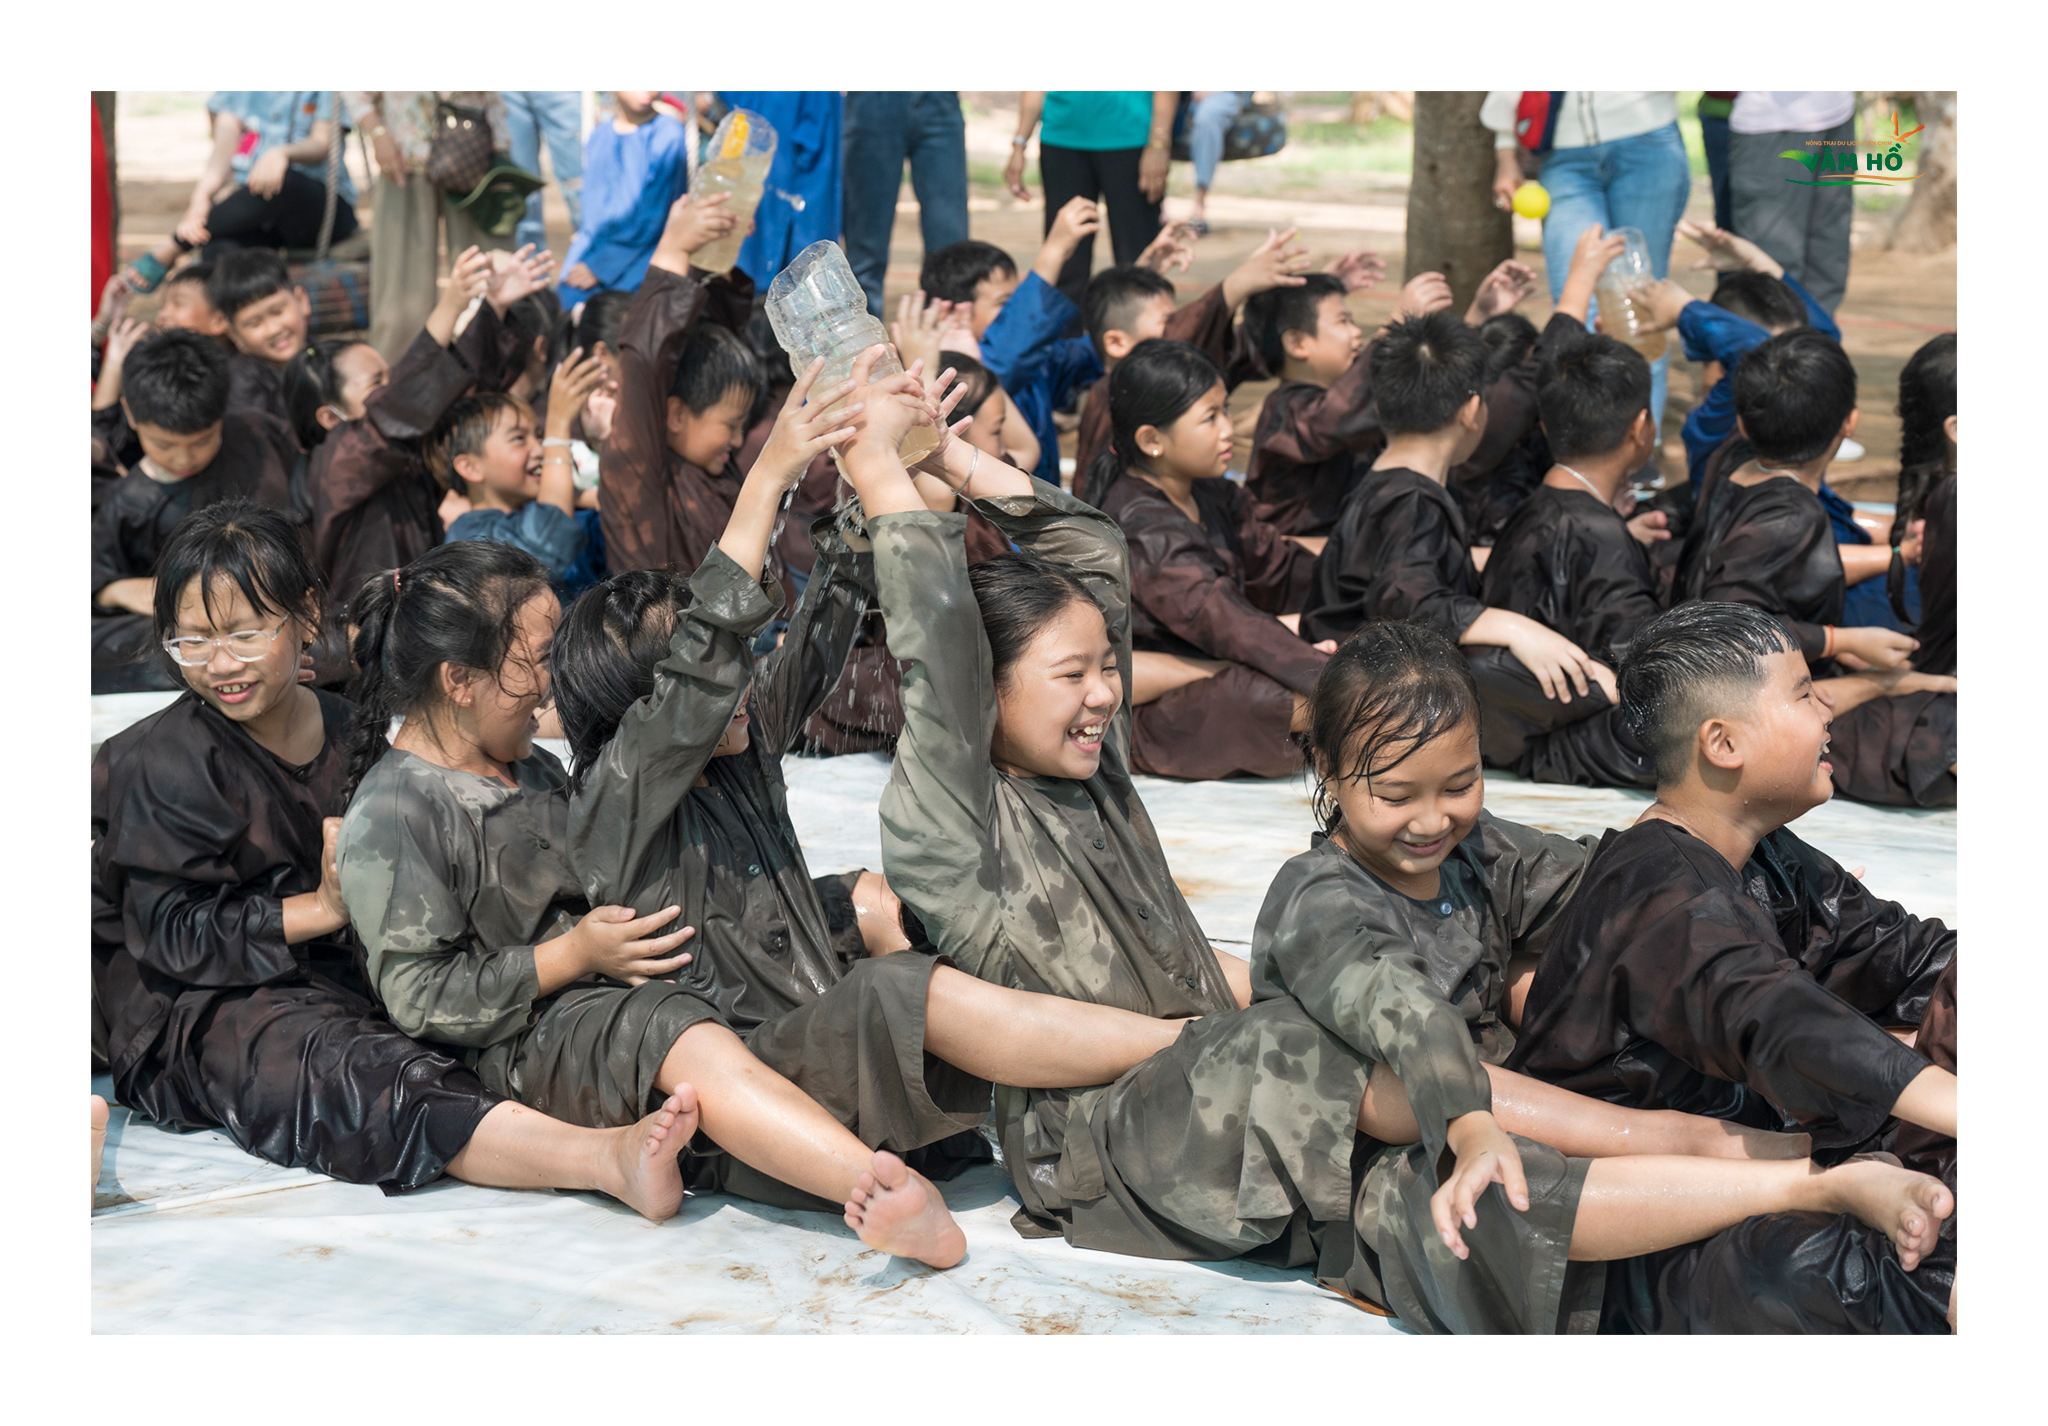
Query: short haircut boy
{"points": [[244, 276], [1115, 296], [1698, 661], [463, 429], [1423, 370], [1761, 298], [953, 272], [1509, 338], [199, 273], [1270, 315], [176, 380], [1589, 395], [714, 364], [1792, 394]]}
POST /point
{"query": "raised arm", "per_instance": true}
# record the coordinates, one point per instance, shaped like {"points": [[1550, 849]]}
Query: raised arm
{"points": [[1340, 417], [795, 680]]}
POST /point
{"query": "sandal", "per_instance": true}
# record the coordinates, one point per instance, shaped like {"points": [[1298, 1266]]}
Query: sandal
{"points": [[145, 274], [1198, 227]]}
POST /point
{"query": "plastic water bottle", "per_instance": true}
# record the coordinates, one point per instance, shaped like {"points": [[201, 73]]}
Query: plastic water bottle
{"points": [[1617, 289], [740, 153], [819, 310]]}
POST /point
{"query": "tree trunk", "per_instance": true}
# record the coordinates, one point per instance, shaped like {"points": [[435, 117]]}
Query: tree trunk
{"points": [[103, 100], [1453, 227], [1927, 224]]}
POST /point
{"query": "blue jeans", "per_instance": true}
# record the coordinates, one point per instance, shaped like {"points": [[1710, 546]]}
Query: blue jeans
{"points": [[555, 115], [1714, 139], [1210, 122], [883, 128], [1639, 182]]}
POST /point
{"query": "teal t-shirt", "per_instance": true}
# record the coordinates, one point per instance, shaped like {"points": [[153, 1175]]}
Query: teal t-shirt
{"points": [[1096, 118]]}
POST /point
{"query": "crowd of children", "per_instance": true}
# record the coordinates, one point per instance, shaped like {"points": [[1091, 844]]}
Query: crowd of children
{"points": [[1689, 1076]]}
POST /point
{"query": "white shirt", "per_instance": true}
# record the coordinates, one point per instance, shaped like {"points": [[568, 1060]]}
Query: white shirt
{"points": [[1587, 117], [1777, 111]]}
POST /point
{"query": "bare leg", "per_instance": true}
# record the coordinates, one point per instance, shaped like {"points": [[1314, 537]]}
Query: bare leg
{"points": [[1035, 1041], [518, 1147], [1631, 1206], [880, 915], [99, 1139], [1579, 1125], [1154, 675], [766, 1122]]}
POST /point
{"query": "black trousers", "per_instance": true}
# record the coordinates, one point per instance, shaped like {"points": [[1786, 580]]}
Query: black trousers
{"points": [[289, 218], [1110, 175], [1583, 741]]}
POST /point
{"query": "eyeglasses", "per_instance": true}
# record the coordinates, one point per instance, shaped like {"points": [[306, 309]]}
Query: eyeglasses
{"points": [[243, 646]]}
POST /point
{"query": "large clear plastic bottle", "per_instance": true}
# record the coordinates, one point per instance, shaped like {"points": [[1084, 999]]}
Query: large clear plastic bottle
{"points": [[1618, 290], [736, 163], [819, 310]]}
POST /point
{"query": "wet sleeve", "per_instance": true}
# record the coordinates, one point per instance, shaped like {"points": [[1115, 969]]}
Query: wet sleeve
{"points": [[1020, 340], [108, 559], [1279, 575], [1532, 875], [1710, 333], [1884, 960], [410, 867], [634, 465], [1204, 324], [1181, 579], [489, 349], [1611, 591], [631, 790], [185, 908], [1404, 552], [1750, 562], [938, 811], [1315, 427], [795, 680]]}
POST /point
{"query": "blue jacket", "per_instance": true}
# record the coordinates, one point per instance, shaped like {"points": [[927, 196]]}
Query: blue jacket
{"points": [[629, 183], [553, 538], [1036, 366], [807, 167]]}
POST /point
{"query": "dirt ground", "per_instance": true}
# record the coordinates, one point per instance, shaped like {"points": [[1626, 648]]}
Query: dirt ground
{"points": [[1895, 302]]}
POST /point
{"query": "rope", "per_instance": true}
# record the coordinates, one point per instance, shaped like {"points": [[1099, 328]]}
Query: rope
{"points": [[333, 175]]}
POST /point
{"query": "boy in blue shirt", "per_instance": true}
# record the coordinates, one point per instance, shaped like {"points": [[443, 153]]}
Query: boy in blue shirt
{"points": [[634, 169]]}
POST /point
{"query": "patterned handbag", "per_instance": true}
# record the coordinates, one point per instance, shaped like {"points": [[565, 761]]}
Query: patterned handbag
{"points": [[459, 154], [1259, 129]]}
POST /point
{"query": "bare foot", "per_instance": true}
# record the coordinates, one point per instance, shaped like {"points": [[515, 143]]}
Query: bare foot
{"points": [[99, 1139], [1905, 1205], [650, 1178], [899, 1211]]}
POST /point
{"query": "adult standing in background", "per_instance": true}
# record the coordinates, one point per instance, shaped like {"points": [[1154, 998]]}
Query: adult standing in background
{"points": [[1615, 159], [1208, 122], [556, 117], [1712, 112], [884, 127], [410, 209], [1776, 203], [1107, 144], [800, 202]]}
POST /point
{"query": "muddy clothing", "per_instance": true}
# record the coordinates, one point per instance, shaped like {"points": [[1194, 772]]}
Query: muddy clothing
{"points": [[134, 522], [258, 385], [1568, 561], [1309, 448], [1399, 552], [1937, 628], [1417, 985], [376, 506], [1211, 588], [1772, 545], [206, 1017], [1239, 1135], [1204, 324], [1676, 982], [659, 510]]}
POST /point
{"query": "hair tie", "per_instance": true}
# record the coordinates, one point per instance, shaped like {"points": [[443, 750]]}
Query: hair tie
{"points": [[394, 584]]}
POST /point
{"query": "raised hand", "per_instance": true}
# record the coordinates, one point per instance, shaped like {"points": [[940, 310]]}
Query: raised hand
{"points": [[694, 221], [1500, 291], [1077, 219], [598, 410], [889, 407], [574, 381], [805, 426], [121, 340], [516, 274], [1422, 294], [920, 329], [1357, 270], [1271, 264], [1659, 304], [1726, 252], [1173, 250], [469, 277]]}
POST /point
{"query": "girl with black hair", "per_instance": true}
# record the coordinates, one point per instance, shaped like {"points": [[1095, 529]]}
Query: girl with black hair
{"points": [[1410, 931], [226, 988], [1219, 671], [375, 505], [1927, 493]]}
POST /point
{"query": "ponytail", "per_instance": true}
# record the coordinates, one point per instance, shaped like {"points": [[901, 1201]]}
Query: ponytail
{"points": [[1155, 385]]}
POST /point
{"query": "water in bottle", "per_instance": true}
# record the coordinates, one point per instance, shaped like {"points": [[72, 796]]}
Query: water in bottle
{"points": [[736, 163], [819, 310], [1617, 293]]}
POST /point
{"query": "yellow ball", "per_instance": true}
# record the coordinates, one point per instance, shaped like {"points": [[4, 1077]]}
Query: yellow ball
{"points": [[1532, 200]]}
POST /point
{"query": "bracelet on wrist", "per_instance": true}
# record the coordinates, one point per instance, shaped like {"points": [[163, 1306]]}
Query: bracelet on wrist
{"points": [[556, 441], [1018, 141]]}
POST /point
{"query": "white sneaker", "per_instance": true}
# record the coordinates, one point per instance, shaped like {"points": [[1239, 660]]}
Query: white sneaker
{"points": [[1850, 451]]}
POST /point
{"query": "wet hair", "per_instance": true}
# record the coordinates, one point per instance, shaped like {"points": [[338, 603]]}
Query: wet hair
{"points": [[1590, 393], [196, 273], [604, 653], [1019, 595], [1114, 296], [1792, 394], [1761, 298], [604, 317], [1509, 337], [463, 429], [1157, 384], [980, 382], [953, 272], [715, 364], [1927, 398], [310, 382], [244, 276], [456, 604], [1270, 315], [1390, 690], [177, 380], [256, 549], [1683, 668], [1423, 370]]}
